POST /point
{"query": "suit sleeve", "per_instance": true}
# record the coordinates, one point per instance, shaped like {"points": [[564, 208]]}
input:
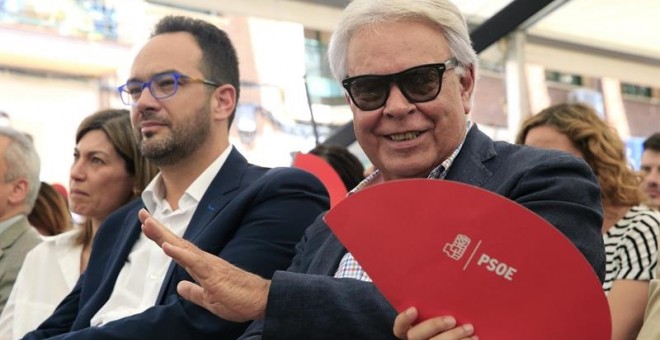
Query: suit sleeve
{"points": [[268, 229], [306, 304], [564, 191]]}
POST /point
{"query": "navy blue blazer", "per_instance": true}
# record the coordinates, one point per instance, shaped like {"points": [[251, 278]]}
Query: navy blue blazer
{"points": [[306, 302], [250, 216]]}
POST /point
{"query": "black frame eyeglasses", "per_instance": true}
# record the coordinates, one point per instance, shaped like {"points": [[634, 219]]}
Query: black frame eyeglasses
{"points": [[160, 86], [418, 84]]}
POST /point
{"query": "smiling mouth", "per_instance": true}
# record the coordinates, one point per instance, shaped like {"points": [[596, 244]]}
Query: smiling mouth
{"points": [[400, 137]]}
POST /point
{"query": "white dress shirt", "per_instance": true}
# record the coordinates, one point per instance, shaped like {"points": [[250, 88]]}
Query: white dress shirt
{"points": [[141, 278]]}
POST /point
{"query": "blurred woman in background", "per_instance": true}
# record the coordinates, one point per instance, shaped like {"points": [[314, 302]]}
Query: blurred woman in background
{"points": [[630, 230]]}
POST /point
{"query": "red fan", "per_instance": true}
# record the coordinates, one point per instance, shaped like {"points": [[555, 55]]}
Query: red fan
{"points": [[452, 249], [325, 173]]}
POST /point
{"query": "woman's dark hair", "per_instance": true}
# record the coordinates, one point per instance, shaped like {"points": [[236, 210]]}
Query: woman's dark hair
{"points": [[349, 167]]}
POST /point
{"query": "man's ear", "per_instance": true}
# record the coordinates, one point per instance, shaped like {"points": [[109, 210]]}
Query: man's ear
{"points": [[19, 191], [223, 101], [467, 82]]}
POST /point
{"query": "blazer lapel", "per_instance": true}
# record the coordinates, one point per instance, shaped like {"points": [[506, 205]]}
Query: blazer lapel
{"points": [[468, 167], [117, 257], [331, 253], [219, 193]]}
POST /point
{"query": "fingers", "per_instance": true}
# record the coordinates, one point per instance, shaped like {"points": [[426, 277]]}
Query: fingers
{"points": [[404, 321], [191, 292], [186, 254], [152, 228], [188, 257], [438, 328], [459, 333], [158, 233], [191, 259], [205, 268], [435, 326]]}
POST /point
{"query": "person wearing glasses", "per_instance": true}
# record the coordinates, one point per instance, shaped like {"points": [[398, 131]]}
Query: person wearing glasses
{"points": [[182, 103], [409, 71]]}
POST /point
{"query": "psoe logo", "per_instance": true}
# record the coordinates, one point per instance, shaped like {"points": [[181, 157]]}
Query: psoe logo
{"points": [[456, 249]]}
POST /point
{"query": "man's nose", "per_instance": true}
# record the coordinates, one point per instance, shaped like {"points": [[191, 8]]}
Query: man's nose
{"points": [[397, 105], [654, 176], [146, 100]]}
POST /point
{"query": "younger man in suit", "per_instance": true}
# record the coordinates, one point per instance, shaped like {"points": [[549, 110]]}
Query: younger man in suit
{"points": [[183, 91], [19, 186]]}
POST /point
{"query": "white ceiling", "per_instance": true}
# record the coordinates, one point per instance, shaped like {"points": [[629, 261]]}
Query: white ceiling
{"points": [[626, 26], [622, 26]]}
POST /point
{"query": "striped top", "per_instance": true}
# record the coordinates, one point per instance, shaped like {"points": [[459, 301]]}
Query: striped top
{"points": [[631, 246]]}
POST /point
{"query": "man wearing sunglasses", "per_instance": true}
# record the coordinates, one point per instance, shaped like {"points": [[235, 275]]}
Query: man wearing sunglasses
{"points": [[409, 73], [183, 91]]}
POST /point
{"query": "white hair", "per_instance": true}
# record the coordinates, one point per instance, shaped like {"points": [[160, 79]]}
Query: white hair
{"points": [[441, 13], [22, 160]]}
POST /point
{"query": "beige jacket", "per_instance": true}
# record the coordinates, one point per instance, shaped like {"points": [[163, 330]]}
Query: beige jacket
{"points": [[15, 243]]}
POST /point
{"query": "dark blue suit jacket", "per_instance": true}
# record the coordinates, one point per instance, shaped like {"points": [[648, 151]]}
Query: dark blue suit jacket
{"points": [[250, 216], [306, 302]]}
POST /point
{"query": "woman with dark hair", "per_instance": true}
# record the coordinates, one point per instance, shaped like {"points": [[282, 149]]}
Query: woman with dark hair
{"points": [[347, 165], [108, 171], [630, 230]]}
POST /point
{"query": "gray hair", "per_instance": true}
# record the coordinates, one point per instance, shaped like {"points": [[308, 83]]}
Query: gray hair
{"points": [[442, 13], [22, 161]]}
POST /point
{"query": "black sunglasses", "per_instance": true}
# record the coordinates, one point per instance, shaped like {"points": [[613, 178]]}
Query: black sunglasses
{"points": [[418, 84]]}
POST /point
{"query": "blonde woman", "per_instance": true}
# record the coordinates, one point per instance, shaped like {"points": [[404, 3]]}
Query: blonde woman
{"points": [[630, 230]]}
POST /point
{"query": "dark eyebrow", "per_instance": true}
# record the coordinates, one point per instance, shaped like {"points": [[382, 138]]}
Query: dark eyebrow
{"points": [[135, 79]]}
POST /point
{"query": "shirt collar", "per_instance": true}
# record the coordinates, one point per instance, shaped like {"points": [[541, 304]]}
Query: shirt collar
{"points": [[154, 194], [438, 172]]}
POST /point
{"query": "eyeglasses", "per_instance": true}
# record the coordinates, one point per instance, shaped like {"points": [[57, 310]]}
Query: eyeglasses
{"points": [[161, 86], [418, 84]]}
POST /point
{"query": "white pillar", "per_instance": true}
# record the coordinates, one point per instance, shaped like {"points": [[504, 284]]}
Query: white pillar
{"points": [[517, 99]]}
